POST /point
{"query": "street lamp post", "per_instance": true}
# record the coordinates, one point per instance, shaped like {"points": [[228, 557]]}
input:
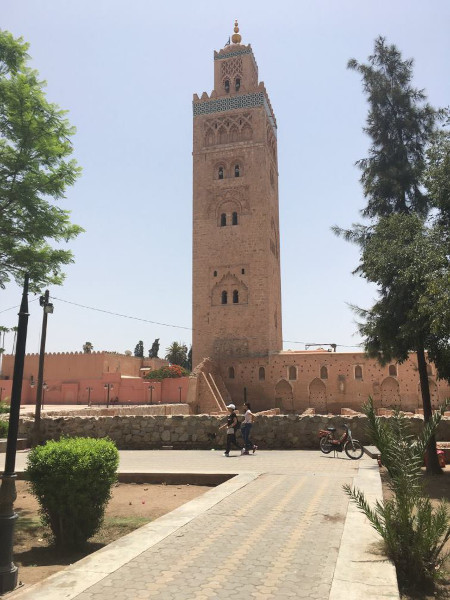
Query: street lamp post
{"points": [[151, 388], [44, 389], [47, 309], [89, 390], [108, 387], [179, 389], [8, 570]]}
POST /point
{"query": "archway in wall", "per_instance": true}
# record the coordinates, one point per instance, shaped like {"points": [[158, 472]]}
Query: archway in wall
{"points": [[284, 397], [390, 393], [434, 395], [318, 396]]}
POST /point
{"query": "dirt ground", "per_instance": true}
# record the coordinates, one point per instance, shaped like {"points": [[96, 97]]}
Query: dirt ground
{"points": [[131, 506], [438, 488]]}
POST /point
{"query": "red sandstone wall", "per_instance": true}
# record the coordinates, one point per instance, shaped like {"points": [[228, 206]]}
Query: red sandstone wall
{"points": [[340, 389]]}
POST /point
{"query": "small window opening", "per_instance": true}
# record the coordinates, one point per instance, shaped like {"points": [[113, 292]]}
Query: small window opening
{"points": [[230, 372], [358, 372], [234, 218], [292, 373], [429, 370], [223, 220], [215, 273], [224, 297], [323, 373], [237, 84], [227, 85], [262, 373], [237, 171], [220, 172], [243, 271], [393, 370], [235, 297]]}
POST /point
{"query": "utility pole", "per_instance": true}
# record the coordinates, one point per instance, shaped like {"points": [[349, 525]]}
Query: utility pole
{"points": [[48, 308]]}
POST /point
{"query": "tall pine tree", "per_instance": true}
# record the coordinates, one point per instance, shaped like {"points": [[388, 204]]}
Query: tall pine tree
{"points": [[398, 249]]}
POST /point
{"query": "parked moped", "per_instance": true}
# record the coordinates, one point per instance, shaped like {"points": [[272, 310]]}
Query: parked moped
{"points": [[352, 448]]}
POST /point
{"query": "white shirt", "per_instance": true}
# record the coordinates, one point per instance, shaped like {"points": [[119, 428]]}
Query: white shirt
{"points": [[248, 416]]}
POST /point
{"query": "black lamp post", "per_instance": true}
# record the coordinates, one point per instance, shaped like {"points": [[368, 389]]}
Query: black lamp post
{"points": [[151, 388], [8, 570], [108, 387], [179, 389], [89, 390]]}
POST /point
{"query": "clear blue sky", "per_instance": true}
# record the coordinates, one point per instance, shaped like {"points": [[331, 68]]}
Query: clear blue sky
{"points": [[127, 71]]}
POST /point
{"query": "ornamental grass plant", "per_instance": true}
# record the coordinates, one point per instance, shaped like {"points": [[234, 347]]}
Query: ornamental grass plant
{"points": [[72, 479], [414, 532]]}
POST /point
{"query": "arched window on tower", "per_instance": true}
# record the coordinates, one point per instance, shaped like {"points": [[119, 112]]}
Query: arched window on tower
{"points": [[234, 218], [227, 85], [223, 220], [292, 373], [237, 84], [262, 374], [235, 297], [237, 170], [358, 372], [323, 373], [393, 370], [230, 372], [220, 172], [224, 297], [429, 370]]}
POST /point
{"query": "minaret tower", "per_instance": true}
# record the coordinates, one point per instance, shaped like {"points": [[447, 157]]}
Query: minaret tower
{"points": [[236, 241]]}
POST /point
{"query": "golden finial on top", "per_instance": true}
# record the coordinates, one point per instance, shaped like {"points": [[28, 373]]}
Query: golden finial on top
{"points": [[236, 37]]}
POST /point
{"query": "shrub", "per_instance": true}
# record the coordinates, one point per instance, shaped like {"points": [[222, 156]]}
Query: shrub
{"points": [[413, 532], [71, 479], [3, 428], [166, 372], [4, 408]]}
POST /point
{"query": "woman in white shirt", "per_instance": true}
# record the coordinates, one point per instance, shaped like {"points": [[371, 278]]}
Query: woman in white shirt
{"points": [[245, 430]]}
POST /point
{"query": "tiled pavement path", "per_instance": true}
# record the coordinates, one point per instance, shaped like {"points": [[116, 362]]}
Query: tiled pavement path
{"points": [[276, 531]]}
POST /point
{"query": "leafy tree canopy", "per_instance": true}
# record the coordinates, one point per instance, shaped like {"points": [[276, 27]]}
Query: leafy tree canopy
{"points": [[176, 353], [35, 170]]}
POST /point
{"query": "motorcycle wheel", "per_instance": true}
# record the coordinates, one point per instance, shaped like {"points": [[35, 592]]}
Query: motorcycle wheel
{"points": [[325, 445], [355, 450]]}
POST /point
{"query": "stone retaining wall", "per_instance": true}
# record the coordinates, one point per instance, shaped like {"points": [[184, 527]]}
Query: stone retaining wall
{"points": [[151, 409], [202, 431]]}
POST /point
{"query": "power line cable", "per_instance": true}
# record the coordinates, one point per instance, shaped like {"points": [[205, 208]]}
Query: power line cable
{"points": [[18, 306], [109, 312]]}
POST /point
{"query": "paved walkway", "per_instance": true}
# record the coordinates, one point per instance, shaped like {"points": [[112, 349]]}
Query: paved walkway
{"points": [[282, 528]]}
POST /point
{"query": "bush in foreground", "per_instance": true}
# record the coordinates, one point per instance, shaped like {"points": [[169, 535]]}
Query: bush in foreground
{"points": [[3, 428], [413, 531], [4, 408], [72, 479]]}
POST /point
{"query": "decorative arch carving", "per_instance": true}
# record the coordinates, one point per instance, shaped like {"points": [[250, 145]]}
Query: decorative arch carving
{"points": [[390, 392], [229, 284], [284, 396], [434, 394], [229, 129], [231, 68], [318, 395], [233, 199]]}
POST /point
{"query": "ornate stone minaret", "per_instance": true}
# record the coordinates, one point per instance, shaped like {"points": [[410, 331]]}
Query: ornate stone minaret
{"points": [[236, 242]]}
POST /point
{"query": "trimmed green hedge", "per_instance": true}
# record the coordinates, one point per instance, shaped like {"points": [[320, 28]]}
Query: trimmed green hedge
{"points": [[3, 428], [4, 408], [72, 479]]}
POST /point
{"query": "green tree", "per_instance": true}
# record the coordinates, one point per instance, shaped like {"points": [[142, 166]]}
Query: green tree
{"points": [[139, 349], [35, 170], [176, 354], [88, 347], [398, 250]]}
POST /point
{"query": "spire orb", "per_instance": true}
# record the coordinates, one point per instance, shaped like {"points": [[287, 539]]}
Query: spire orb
{"points": [[236, 37]]}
